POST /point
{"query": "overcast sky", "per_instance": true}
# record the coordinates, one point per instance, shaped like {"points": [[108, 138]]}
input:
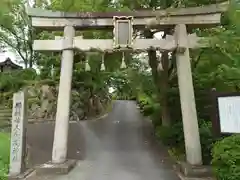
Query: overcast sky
{"points": [[4, 56]]}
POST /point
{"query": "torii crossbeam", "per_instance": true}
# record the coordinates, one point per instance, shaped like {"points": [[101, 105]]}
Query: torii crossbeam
{"points": [[106, 45], [193, 17]]}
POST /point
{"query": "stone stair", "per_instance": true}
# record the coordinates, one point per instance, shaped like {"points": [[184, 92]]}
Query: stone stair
{"points": [[5, 116]]}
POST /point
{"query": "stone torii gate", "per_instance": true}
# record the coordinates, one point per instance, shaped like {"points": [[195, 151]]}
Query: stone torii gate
{"points": [[180, 20]]}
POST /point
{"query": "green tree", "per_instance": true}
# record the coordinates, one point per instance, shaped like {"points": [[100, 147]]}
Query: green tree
{"points": [[15, 30]]}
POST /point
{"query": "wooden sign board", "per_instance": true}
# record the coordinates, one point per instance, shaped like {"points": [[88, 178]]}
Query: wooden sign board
{"points": [[123, 32], [226, 118], [19, 113], [229, 114]]}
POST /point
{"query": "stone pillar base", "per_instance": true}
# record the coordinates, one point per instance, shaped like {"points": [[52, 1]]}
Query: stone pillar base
{"points": [[50, 168], [194, 171]]}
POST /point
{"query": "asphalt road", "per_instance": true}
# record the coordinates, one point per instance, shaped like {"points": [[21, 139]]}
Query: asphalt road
{"points": [[119, 147], [40, 142]]}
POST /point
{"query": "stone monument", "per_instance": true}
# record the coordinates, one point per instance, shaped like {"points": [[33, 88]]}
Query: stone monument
{"points": [[18, 134]]}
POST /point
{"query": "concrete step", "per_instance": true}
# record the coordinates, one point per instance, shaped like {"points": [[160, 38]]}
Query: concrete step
{"points": [[4, 123], [5, 120], [5, 110], [5, 115]]}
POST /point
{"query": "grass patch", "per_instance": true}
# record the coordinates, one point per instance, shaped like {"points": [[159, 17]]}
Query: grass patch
{"points": [[4, 154], [176, 155]]}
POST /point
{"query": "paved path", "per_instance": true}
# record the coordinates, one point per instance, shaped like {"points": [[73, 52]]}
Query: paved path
{"points": [[120, 147]]}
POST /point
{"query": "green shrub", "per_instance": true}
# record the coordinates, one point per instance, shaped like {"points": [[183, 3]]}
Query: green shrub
{"points": [[143, 100], [26, 74], [133, 98], [156, 116], [49, 82], [226, 158], [173, 137], [9, 82], [4, 155], [207, 140], [147, 105], [147, 109], [14, 80]]}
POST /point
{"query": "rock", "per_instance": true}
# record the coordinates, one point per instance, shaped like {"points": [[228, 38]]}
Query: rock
{"points": [[98, 104], [41, 107], [34, 107], [32, 92], [74, 116], [80, 113], [47, 92], [42, 103], [35, 114]]}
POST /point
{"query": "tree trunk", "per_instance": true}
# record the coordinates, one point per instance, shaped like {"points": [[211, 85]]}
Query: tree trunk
{"points": [[161, 82], [166, 120], [31, 60]]}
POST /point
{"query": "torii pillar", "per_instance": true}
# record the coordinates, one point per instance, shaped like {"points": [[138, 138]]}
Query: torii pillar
{"points": [[187, 98], [59, 152]]}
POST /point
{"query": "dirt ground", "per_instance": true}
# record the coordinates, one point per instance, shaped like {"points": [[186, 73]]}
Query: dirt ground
{"points": [[40, 142]]}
